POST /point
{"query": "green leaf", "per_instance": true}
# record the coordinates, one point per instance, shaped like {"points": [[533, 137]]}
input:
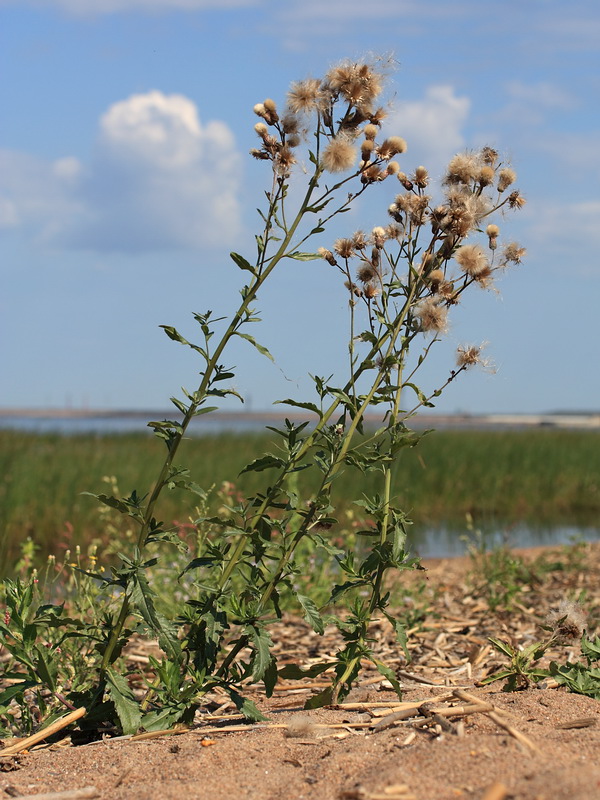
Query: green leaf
{"points": [[296, 404], [324, 698], [502, 647], [295, 673], [265, 462], [126, 705], [270, 677], [591, 648], [142, 599], [163, 719], [311, 613], [242, 263], [389, 674], [245, 706], [261, 349], [262, 651], [304, 256]]}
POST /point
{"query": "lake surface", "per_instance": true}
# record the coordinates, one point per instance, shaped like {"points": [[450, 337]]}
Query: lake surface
{"points": [[428, 543], [446, 542]]}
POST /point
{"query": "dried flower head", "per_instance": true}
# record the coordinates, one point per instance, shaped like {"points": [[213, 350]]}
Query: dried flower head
{"points": [[421, 177], [392, 168], [284, 160], [261, 129], [567, 621], [370, 131], [486, 176], [391, 147], [464, 211], [492, 232], [366, 272], [515, 200], [366, 149], [270, 112], [468, 356], [371, 290], [436, 278], [378, 236], [327, 255], [344, 248], [432, 316], [408, 185], [359, 84], [489, 155], [304, 96], [463, 168], [290, 124], [359, 240], [472, 260], [339, 155], [513, 253], [506, 177]]}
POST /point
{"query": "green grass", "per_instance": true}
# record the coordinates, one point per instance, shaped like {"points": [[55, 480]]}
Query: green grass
{"points": [[538, 477]]}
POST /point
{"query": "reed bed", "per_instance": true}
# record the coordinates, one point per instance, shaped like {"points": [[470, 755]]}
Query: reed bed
{"points": [[539, 477]]}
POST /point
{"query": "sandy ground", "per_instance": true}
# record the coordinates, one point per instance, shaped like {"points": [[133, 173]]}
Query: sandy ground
{"points": [[540, 743]]}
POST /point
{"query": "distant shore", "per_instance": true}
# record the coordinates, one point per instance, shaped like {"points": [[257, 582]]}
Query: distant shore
{"points": [[566, 419]]}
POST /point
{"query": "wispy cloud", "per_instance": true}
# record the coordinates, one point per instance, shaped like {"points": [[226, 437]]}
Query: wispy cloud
{"points": [[566, 234], [158, 178], [86, 8], [433, 126]]}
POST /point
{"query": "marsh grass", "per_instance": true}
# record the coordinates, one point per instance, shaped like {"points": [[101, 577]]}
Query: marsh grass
{"points": [[540, 477]]}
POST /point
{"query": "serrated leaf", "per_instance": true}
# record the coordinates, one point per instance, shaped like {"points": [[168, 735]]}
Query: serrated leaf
{"points": [[245, 706], [161, 720], [262, 651], [142, 598], [311, 613], [126, 706], [296, 404], [265, 462]]}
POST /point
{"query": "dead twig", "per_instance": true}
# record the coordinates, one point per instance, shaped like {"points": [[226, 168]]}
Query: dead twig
{"points": [[26, 744], [86, 793], [494, 715]]}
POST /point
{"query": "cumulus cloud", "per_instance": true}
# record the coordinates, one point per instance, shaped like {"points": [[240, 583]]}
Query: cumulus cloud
{"points": [[158, 178], [432, 126]]}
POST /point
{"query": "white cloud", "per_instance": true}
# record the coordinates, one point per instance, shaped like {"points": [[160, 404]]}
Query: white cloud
{"points": [[566, 234], [433, 127], [158, 178]]}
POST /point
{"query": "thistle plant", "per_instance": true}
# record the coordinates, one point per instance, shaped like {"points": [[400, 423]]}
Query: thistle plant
{"points": [[402, 280]]}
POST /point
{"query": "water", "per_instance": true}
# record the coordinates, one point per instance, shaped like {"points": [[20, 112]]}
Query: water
{"points": [[448, 542], [429, 543], [131, 423]]}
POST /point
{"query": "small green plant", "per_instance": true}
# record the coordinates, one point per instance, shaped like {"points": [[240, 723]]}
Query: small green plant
{"points": [[522, 669], [566, 627], [401, 281], [580, 677]]}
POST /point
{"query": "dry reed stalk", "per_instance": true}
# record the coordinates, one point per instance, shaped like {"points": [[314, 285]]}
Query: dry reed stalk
{"points": [[87, 793], [25, 744], [494, 715]]}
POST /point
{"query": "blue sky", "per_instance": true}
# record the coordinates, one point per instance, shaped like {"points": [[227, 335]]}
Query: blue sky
{"points": [[125, 181]]}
